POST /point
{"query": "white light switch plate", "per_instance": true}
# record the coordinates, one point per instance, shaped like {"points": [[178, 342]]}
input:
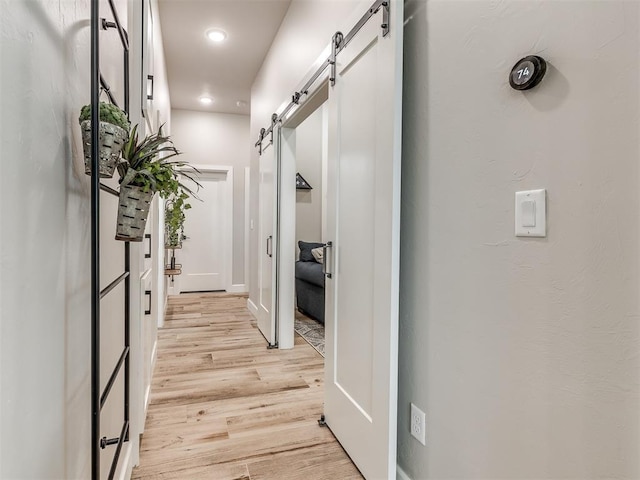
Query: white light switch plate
{"points": [[531, 213]]}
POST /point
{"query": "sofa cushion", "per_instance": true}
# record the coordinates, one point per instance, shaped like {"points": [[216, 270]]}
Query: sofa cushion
{"points": [[310, 272], [305, 250], [318, 254]]}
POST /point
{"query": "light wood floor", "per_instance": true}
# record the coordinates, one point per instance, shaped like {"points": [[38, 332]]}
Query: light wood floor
{"points": [[224, 407]]}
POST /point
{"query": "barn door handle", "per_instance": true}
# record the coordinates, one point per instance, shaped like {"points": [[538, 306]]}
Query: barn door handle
{"points": [[147, 293], [325, 259], [270, 245]]}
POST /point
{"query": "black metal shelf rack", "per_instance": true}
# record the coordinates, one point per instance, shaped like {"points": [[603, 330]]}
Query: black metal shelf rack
{"points": [[99, 397]]}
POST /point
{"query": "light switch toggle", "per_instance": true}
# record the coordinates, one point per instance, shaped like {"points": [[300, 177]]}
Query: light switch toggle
{"points": [[531, 211], [528, 213]]}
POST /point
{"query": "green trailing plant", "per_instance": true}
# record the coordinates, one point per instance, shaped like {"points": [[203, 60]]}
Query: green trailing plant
{"points": [[108, 113], [148, 163], [174, 217]]}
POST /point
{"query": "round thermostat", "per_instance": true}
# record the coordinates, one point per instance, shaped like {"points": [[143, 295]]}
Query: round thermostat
{"points": [[528, 72]]}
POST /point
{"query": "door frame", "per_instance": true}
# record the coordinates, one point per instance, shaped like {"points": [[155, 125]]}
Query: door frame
{"points": [[286, 165], [174, 287]]}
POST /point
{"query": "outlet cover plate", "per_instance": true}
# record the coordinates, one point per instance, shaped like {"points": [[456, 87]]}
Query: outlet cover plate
{"points": [[418, 424]]}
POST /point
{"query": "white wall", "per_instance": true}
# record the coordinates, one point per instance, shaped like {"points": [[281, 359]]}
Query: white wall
{"points": [[309, 154], [45, 414], [218, 139], [524, 353], [305, 32]]}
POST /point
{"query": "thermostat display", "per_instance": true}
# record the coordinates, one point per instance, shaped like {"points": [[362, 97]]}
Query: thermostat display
{"points": [[528, 72]]}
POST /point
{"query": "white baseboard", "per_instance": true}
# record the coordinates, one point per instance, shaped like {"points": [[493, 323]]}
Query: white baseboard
{"points": [[401, 475], [238, 288], [252, 308]]}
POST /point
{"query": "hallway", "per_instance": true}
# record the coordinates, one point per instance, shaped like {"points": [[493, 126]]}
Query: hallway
{"points": [[223, 406]]}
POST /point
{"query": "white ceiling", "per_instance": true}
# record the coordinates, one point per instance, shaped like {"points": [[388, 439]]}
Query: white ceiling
{"points": [[224, 71]]}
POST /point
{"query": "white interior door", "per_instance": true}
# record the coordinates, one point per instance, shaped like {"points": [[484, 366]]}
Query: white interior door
{"points": [[204, 252], [363, 222], [267, 248]]}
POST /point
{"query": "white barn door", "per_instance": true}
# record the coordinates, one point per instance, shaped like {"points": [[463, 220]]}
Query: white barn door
{"points": [[363, 221], [267, 245]]}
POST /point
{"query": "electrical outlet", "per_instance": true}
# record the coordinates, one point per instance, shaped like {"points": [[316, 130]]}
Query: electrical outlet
{"points": [[418, 424]]}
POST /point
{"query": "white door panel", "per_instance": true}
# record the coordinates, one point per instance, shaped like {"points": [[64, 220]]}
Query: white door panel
{"points": [[363, 224], [267, 248], [203, 254]]}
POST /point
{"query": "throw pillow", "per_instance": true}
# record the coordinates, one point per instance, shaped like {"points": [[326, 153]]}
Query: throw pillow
{"points": [[305, 250], [318, 254]]}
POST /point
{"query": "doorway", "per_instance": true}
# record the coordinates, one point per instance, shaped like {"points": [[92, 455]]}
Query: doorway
{"points": [[206, 252], [284, 224], [310, 163]]}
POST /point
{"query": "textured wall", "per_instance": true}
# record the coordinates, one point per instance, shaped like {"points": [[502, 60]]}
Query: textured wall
{"points": [[218, 139], [45, 416], [524, 353]]}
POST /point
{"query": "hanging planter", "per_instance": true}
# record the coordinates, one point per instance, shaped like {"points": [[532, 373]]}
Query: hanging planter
{"points": [[143, 173], [113, 134], [174, 217], [133, 211]]}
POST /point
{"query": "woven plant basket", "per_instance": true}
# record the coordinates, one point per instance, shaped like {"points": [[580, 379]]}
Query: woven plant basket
{"points": [[133, 210], [112, 138]]}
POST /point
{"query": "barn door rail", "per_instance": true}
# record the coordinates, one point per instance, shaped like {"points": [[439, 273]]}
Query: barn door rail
{"points": [[99, 397], [338, 43]]}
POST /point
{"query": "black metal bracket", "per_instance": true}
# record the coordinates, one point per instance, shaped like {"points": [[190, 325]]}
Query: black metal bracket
{"points": [[259, 144], [385, 18], [107, 25], [272, 346], [110, 190], [104, 87], [147, 311], [105, 442], [274, 120], [147, 245], [321, 421], [336, 42]]}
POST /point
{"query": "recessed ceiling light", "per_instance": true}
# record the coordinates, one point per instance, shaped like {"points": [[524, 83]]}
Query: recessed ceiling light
{"points": [[241, 104], [216, 35], [206, 100]]}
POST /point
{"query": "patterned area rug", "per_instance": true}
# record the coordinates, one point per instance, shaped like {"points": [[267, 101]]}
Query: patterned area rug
{"points": [[311, 330]]}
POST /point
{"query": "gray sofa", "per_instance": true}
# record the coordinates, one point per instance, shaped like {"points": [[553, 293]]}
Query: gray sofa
{"points": [[310, 283]]}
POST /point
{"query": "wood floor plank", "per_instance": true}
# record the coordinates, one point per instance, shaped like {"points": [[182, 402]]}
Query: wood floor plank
{"points": [[226, 471], [327, 463], [224, 407]]}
